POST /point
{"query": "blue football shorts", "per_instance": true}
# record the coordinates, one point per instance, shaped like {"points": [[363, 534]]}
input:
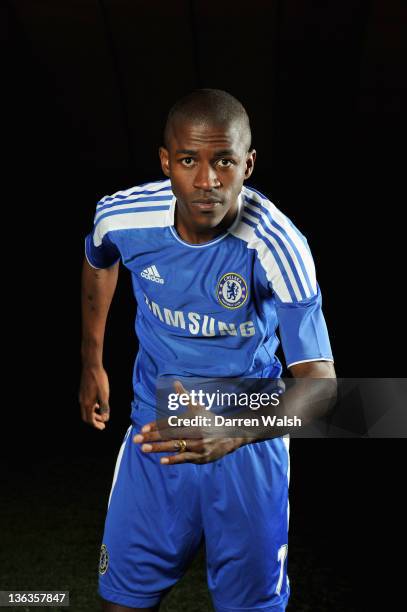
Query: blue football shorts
{"points": [[158, 515]]}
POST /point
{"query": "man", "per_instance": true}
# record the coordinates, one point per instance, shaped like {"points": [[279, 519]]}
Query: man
{"points": [[216, 267]]}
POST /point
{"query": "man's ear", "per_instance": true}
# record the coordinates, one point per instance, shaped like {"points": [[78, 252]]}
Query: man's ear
{"points": [[165, 160], [251, 158]]}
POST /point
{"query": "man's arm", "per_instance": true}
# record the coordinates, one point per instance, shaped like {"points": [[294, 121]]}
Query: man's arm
{"points": [[306, 400], [98, 287], [313, 369]]}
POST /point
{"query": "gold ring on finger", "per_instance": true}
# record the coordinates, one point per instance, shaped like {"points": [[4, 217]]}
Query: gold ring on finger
{"points": [[180, 446]]}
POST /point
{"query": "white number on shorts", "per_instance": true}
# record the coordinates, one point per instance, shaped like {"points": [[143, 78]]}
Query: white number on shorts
{"points": [[281, 557]]}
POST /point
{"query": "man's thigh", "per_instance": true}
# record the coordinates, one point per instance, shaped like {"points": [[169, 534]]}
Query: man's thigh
{"points": [[152, 529], [245, 517]]}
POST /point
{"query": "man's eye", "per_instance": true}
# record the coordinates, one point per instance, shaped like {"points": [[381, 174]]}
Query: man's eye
{"points": [[225, 163], [187, 161]]}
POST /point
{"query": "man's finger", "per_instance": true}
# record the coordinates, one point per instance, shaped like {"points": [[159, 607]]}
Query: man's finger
{"points": [[97, 421], [104, 411], [194, 408], [169, 446], [98, 425], [153, 426], [180, 458], [169, 433], [179, 387], [152, 436], [90, 415]]}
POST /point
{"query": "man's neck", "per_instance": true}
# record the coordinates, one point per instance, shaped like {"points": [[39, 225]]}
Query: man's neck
{"points": [[197, 235]]}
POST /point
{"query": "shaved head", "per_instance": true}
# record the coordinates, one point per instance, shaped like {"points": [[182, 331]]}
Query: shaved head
{"points": [[212, 107]]}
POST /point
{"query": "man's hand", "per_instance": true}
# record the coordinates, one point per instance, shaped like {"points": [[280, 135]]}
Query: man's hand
{"points": [[198, 450], [159, 437], [94, 396]]}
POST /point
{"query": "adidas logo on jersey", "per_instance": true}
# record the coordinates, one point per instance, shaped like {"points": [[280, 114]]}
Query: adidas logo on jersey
{"points": [[152, 274]]}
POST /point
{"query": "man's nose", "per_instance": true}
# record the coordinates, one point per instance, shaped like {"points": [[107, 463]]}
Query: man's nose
{"points": [[206, 178]]}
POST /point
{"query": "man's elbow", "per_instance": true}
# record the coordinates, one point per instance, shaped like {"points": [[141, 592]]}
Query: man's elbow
{"points": [[313, 369]]}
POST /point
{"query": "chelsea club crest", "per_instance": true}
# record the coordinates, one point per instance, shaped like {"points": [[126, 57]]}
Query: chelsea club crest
{"points": [[231, 290]]}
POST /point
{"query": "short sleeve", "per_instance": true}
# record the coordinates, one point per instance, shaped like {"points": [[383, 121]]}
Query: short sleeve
{"points": [[100, 250], [285, 272], [303, 331], [298, 301]]}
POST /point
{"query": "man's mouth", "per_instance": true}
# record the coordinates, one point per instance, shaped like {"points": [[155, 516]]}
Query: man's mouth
{"points": [[206, 204]]}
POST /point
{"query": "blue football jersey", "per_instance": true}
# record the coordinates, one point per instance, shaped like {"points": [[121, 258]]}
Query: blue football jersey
{"points": [[211, 309]]}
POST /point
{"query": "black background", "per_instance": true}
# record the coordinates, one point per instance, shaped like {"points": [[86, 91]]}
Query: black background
{"points": [[87, 85]]}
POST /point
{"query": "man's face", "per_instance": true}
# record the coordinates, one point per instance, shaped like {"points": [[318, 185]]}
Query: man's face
{"points": [[207, 165]]}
